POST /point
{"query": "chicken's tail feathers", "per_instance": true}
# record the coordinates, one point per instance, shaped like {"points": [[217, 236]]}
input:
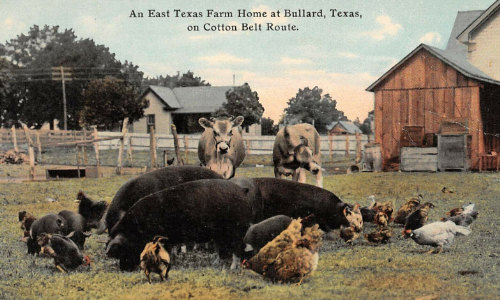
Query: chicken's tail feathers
{"points": [[463, 230]]}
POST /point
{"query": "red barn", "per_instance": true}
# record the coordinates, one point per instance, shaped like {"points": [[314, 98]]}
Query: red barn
{"points": [[430, 86]]}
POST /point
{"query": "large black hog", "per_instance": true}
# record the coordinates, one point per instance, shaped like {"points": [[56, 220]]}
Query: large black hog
{"points": [[75, 224], [146, 184], [272, 196], [197, 211], [92, 211], [50, 223]]}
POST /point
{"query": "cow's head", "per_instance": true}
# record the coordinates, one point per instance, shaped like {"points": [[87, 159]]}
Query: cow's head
{"points": [[303, 155], [222, 131]]}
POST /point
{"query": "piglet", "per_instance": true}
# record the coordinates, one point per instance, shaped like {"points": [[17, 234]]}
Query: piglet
{"points": [[65, 252]]}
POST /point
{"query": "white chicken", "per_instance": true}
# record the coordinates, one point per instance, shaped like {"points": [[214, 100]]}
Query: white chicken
{"points": [[438, 234]]}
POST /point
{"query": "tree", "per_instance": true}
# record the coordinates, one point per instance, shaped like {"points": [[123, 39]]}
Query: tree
{"points": [[187, 79], [108, 101], [34, 97], [268, 127], [242, 101], [366, 126], [309, 106]]}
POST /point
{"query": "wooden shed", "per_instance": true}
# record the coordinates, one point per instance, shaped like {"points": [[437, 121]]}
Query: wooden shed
{"points": [[431, 86]]}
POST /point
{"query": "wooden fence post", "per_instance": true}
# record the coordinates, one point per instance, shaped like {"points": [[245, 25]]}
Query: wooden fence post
{"points": [[152, 147], [78, 159], [186, 149], [120, 151], [247, 144], [176, 146], [330, 146], [39, 144], [165, 158], [96, 148], [31, 152], [129, 151], [358, 147], [14, 138], [84, 153], [347, 147]]}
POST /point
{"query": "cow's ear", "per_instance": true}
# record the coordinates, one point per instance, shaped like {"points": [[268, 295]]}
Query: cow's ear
{"points": [[238, 121], [205, 123]]}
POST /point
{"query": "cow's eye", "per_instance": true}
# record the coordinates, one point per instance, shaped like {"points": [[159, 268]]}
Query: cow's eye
{"points": [[216, 133]]}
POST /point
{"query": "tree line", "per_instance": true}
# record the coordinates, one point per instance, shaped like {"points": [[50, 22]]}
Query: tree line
{"points": [[101, 90]]}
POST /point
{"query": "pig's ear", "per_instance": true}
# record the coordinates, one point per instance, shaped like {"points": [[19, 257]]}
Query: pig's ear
{"points": [[70, 235], [87, 234], [356, 207], [346, 211]]}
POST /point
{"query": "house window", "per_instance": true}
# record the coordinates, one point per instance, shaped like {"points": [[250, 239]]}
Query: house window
{"points": [[150, 121]]}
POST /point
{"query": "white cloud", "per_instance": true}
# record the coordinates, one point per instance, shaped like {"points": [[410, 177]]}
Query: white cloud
{"points": [[295, 61], [348, 55], [386, 28], [432, 38], [224, 58]]}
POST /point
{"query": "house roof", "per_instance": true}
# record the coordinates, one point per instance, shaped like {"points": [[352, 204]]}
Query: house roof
{"points": [[200, 99], [464, 35], [452, 58], [185, 100], [463, 19], [348, 126], [165, 94]]}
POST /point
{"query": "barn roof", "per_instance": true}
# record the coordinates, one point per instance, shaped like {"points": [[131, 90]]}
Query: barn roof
{"points": [[348, 126], [464, 35], [463, 19], [187, 100], [452, 58]]}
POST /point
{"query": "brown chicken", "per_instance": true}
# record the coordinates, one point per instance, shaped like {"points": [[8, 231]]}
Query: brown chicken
{"points": [[349, 234], [289, 257], [417, 218], [406, 209], [386, 207], [154, 258], [455, 212], [381, 235], [381, 219]]}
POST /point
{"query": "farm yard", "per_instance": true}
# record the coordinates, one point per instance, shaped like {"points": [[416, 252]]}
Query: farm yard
{"points": [[399, 269]]}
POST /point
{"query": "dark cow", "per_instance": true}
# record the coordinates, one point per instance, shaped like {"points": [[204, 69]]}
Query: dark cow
{"points": [[65, 252], [146, 184], [297, 147], [198, 211], [50, 223], [272, 196], [221, 146]]}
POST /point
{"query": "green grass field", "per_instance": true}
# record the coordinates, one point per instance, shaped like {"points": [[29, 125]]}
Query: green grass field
{"points": [[469, 269]]}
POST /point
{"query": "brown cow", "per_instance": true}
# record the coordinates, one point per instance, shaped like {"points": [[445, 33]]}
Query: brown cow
{"points": [[221, 147], [297, 147]]}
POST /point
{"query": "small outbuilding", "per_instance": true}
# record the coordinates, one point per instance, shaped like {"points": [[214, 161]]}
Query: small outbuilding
{"points": [[342, 127], [432, 90]]}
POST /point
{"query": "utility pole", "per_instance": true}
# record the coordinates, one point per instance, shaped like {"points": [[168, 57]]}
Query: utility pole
{"points": [[58, 74]]}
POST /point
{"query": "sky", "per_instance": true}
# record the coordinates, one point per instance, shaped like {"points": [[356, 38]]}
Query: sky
{"points": [[340, 54]]}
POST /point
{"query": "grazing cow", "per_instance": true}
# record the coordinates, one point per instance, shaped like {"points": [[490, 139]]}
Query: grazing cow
{"points": [[50, 223], [221, 146], [198, 211], [65, 252], [295, 148], [152, 182], [272, 196]]}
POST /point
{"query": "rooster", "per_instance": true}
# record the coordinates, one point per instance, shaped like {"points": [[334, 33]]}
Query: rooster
{"points": [[407, 209], [417, 218], [289, 257], [348, 234], [381, 219], [154, 258]]}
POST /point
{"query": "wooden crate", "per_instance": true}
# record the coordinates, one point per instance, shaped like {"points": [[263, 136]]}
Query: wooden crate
{"points": [[454, 126], [453, 152], [419, 159], [412, 136]]}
